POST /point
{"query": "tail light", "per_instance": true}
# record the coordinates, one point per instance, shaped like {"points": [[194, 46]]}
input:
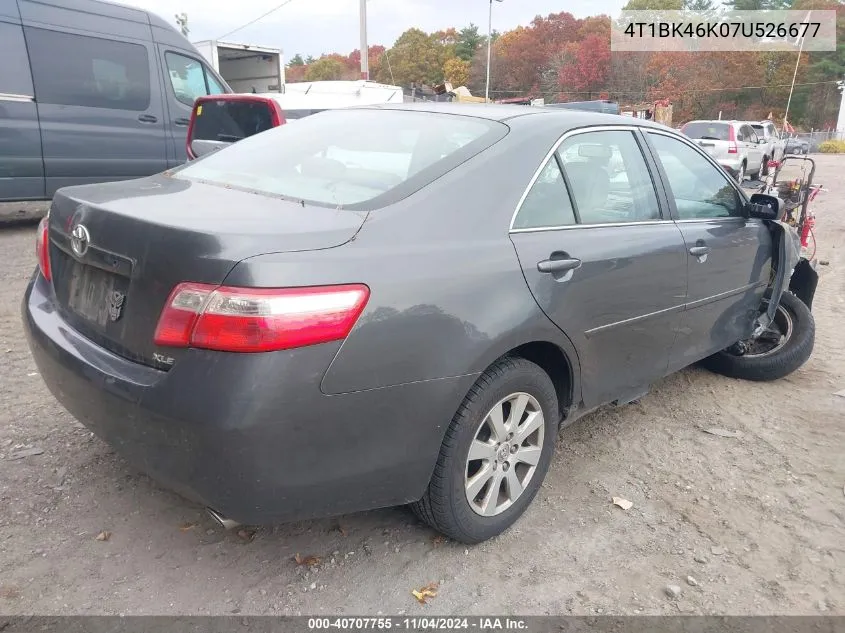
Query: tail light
{"points": [[732, 147], [42, 248], [258, 319]]}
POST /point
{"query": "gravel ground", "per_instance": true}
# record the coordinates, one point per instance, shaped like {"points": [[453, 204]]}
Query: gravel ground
{"points": [[753, 524]]}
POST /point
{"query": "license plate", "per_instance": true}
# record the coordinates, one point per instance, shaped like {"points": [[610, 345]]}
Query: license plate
{"points": [[96, 295]]}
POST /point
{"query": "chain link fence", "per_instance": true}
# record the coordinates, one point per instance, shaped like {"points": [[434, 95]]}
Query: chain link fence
{"points": [[816, 138]]}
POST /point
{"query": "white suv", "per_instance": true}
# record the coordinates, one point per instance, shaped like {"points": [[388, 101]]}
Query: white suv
{"points": [[733, 144]]}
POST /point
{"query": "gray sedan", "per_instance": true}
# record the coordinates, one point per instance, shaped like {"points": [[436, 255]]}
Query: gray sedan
{"points": [[402, 305]]}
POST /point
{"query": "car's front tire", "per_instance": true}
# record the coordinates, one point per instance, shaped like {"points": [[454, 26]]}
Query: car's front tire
{"points": [[783, 348], [495, 454]]}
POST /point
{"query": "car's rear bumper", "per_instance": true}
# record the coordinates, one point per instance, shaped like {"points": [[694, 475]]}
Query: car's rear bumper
{"points": [[250, 435]]}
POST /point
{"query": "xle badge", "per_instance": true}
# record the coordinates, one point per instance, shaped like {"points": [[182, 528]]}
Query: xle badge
{"points": [[164, 360], [115, 304]]}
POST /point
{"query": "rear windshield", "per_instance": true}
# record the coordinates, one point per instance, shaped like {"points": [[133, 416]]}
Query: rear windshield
{"points": [[356, 158], [707, 130], [229, 120]]}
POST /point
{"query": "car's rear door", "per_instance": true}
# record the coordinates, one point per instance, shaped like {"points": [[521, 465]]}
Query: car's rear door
{"points": [[755, 150], [601, 260], [728, 256]]}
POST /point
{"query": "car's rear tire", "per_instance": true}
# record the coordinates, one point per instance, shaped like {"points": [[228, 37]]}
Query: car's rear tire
{"points": [[752, 360], [506, 399]]}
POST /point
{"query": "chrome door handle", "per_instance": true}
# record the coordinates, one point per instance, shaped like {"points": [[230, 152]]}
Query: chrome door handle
{"points": [[558, 265], [698, 251]]}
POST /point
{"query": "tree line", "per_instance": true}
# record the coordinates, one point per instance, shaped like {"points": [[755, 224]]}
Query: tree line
{"points": [[562, 58]]}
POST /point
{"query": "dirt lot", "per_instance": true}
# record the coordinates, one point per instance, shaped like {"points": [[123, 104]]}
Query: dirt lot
{"points": [[753, 524]]}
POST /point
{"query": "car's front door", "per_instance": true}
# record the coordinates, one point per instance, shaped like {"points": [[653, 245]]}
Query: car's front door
{"points": [[601, 260], [186, 78], [729, 257]]}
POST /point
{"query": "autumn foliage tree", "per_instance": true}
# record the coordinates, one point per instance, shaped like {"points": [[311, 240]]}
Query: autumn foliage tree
{"points": [[560, 57]]}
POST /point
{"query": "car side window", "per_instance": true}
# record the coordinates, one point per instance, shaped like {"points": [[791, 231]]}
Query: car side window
{"points": [[740, 134], [750, 134], [609, 178], [189, 78], [15, 78], [547, 203], [700, 189], [214, 88], [78, 70]]}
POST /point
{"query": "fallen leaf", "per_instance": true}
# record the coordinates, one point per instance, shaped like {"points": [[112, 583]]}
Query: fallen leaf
{"points": [[438, 540], [341, 529], [622, 503], [246, 535], [429, 591], [105, 535], [9, 592], [308, 561], [27, 452], [187, 527], [722, 432]]}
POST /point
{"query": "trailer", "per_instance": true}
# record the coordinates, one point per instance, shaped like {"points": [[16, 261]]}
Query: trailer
{"points": [[245, 67]]}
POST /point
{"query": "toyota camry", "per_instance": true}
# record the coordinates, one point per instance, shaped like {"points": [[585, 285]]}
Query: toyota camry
{"points": [[403, 304]]}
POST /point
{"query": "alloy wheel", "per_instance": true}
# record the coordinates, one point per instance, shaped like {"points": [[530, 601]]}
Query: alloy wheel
{"points": [[504, 454]]}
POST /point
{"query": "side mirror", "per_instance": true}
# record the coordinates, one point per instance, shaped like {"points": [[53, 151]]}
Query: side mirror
{"points": [[761, 141], [763, 207]]}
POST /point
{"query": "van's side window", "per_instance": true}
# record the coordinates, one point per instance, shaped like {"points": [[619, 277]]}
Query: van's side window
{"points": [[190, 79], [78, 70], [14, 67]]}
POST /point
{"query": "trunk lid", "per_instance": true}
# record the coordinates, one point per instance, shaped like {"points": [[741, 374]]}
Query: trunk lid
{"points": [[140, 238]]}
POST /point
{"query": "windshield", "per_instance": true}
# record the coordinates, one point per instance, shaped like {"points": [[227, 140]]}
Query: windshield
{"points": [[707, 130], [348, 157]]}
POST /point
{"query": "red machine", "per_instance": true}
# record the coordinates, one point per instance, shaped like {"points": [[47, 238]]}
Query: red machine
{"points": [[791, 180]]}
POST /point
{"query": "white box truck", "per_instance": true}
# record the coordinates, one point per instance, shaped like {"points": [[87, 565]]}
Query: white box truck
{"points": [[246, 68]]}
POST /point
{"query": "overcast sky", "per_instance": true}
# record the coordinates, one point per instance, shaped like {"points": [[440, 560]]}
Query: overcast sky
{"points": [[312, 27]]}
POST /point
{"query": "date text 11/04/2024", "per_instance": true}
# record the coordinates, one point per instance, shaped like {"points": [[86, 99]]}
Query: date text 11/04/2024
{"points": [[418, 624]]}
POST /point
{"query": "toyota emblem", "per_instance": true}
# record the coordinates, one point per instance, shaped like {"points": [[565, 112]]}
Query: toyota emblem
{"points": [[79, 240]]}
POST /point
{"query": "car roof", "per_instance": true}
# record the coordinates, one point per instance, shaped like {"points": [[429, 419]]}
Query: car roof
{"points": [[562, 118]]}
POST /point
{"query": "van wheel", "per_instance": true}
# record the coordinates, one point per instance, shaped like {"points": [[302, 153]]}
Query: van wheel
{"points": [[495, 454], [777, 352]]}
